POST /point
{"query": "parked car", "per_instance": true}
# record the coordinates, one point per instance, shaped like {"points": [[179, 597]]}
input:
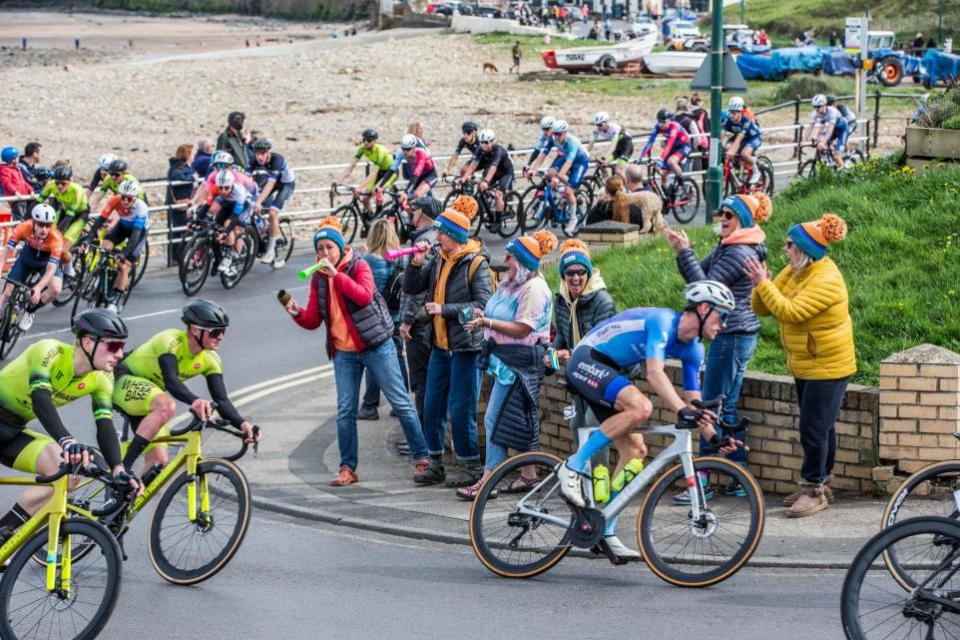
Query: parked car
{"points": [[641, 26], [441, 8], [682, 30], [489, 12]]}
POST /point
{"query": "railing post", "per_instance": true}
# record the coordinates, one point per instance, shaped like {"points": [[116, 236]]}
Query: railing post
{"points": [[876, 118], [797, 133]]}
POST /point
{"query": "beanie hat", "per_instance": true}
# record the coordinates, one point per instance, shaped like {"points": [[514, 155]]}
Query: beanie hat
{"points": [[528, 250], [756, 207], [455, 221], [330, 229], [813, 237], [575, 251]]}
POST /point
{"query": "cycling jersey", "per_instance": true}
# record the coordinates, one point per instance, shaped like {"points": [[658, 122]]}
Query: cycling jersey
{"points": [[543, 143], [622, 142], [570, 148], [379, 156], [612, 133], [143, 361], [746, 127], [422, 162], [472, 147], [47, 250], [72, 201], [276, 169], [48, 364], [240, 199], [239, 177], [678, 140], [136, 217], [109, 185], [830, 116], [497, 157]]}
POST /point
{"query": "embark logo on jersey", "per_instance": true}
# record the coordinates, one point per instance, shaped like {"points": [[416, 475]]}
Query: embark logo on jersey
{"points": [[595, 374]]}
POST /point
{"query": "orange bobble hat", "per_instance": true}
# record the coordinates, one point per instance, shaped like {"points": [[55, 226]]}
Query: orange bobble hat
{"points": [[330, 229], [814, 237], [575, 251], [529, 250], [455, 221]]}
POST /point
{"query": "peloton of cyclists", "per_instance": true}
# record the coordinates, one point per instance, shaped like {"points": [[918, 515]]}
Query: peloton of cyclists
{"points": [[70, 200], [569, 166]]}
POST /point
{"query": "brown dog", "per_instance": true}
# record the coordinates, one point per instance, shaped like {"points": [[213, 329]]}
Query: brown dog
{"points": [[489, 66]]}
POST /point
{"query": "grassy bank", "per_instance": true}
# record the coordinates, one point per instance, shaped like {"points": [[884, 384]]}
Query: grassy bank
{"points": [[901, 260]]}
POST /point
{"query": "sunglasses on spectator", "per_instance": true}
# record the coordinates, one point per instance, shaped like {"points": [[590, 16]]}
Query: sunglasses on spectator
{"points": [[788, 244], [575, 273], [114, 346], [726, 214]]}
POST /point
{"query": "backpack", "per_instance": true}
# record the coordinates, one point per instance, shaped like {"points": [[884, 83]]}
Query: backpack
{"points": [[394, 289]]}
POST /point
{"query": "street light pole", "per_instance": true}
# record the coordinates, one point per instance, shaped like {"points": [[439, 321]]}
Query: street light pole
{"points": [[940, 24], [717, 46], [743, 11]]}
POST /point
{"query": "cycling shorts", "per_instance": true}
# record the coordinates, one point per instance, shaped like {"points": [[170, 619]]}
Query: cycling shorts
{"points": [[578, 171], [20, 448], [29, 263], [680, 152], [66, 222], [75, 230], [623, 151], [427, 177], [597, 380], [279, 196], [376, 178], [504, 183], [754, 143], [839, 138], [224, 215], [133, 389], [120, 234]]}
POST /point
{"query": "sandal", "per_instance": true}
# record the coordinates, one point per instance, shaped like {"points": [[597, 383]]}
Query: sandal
{"points": [[521, 485], [345, 477], [470, 493]]}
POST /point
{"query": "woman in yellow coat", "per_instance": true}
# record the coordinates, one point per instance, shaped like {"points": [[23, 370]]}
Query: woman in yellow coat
{"points": [[809, 301]]}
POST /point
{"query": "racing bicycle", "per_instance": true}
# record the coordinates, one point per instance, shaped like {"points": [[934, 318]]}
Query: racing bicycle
{"points": [[543, 205], [681, 196], [96, 279], [736, 176], [823, 159], [695, 545], [284, 246], [505, 223], [11, 313], [202, 253]]}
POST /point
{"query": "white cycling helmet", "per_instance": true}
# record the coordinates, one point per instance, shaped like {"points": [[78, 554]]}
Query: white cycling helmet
{"points": [[225, 179], [221, 157], [819, 100], [714, 293], [129, 188], [44, 213], [601, 117], [105, 160], [486, 135], [559, 126], [735, 104], [546, 122], [408, 141]]}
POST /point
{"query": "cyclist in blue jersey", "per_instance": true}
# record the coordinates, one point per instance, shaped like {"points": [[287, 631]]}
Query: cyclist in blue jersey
{"points": [[569, 166], [746, 138], [828, 126], [847, 114], [648, 336], [546, 135]]}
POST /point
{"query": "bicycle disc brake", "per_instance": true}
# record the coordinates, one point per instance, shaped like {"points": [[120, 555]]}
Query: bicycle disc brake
{"points": [[587, 528]]}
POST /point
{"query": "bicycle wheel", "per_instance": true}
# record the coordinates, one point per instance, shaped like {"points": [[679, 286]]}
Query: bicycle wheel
{"points": [[194, 265], [8, 330], [534, 209], [512, 544], [89, 494], [855, 157], [689, 553], [448, 201], [70, 284], [187, 552], [872, 604], [90, 293], [285, 242], [686, 200], [255, 247], [809, 168], [511, 220], [28, 610], [349, 219], [141, 265], [242, 261]]}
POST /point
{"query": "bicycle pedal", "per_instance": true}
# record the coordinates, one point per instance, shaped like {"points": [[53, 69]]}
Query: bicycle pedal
{"points": [[602, 548]]}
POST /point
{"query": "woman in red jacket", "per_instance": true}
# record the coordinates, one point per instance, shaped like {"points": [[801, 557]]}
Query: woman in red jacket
{"points": [[359, 336]]}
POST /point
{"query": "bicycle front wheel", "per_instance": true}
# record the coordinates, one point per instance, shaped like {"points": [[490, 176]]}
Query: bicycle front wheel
{"points": [[873, 606], [534, 209], [686, 200], [516, 544], [8, 330], [141, 265], [286, 240], [79, 607], [512, 217], [89, 291], [349, 219], [194, 265], [689, 552], [188, 551]]}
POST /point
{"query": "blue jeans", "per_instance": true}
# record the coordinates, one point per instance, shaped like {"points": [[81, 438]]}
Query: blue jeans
{"points": [[460, 399], [727, 363], [371, 397], [496, 453], [381, 363]]}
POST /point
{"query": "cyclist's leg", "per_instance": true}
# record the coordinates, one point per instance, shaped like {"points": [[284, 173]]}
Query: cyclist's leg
{"points": [[18, 273], [141, 399], [500, 188], [839, 144], [33, 453]]}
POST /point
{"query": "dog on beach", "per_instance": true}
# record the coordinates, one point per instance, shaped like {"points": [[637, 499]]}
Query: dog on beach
{"points": [[489, 66]]}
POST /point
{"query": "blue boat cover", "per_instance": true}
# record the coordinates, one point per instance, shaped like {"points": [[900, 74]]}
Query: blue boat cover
{"points": [[940, 65], [756, 67], [837, 63], [801, 59]]}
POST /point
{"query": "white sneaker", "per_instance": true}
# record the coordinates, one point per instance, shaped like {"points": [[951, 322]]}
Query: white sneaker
{"points": [[225, 264], [571, 226], [621, 550], [113, 307], [26, 321], [268, 257], [571, 486], [69, 271]]}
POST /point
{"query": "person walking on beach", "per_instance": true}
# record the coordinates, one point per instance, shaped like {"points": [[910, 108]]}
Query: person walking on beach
{"points": [[516, 58]]}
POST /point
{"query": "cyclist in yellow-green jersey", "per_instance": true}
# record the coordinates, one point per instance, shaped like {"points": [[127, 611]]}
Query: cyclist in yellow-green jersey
{"points": [[377, 155], [70, 200]]}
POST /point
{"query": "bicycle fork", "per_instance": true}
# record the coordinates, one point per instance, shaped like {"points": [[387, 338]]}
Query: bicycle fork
{"points": [[59, 573]]}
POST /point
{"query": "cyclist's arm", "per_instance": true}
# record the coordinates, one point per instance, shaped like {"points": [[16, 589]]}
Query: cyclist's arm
{"points": [[136, 237], [171, 379], [48, 275], [42, 400], [468, 169], [267, 188], [218, 393], [649, 145], [453, 161], [491, 171], [662, 385], [108, 442], [346, 172], [565, 170]]}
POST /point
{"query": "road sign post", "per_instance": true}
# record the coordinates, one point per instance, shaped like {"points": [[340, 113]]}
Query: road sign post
{"points": [[857, 41]]}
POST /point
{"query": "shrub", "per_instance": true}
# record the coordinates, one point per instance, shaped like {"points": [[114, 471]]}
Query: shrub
{"points": [[807, 86], [940, 109]]}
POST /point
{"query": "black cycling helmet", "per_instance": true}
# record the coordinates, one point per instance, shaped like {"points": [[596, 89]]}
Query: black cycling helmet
{"points": [[117, 166], [430, 205], [62, 174], [831, 100], [663, 115], [369, 134], [468, 127], [205, 314], [100, 324], [43, 173], [262, 144]]}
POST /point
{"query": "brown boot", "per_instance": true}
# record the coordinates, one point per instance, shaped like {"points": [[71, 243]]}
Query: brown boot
{"points": [[811, 501], [790, 499]]}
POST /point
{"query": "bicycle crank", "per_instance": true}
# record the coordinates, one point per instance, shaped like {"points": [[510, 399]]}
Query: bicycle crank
{"points": [[587, 528]]}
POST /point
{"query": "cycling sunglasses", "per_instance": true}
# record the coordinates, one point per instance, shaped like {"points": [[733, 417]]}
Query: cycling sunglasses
{"points": [[128, 199], [114, 346], [115, 174], [42, 225], [216, 334], [62, 183]]}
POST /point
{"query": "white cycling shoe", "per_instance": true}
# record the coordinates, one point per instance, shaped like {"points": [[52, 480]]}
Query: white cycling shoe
{"points": [[571, 225], [26, 321], [571, 486], [225, 265], [621, 550], [268, 257]]}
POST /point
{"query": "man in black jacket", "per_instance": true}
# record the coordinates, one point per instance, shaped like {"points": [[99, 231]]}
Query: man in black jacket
{"points": [[234, 139]]}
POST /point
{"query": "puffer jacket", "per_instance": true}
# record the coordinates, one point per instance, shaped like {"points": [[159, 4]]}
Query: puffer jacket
{"points": [[411, 305], [726, 264], [592, 307], [517, 422], [461, 292], [812, 309]]}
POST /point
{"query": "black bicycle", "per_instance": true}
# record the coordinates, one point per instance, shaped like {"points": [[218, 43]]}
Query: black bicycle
{"points": [[354, 216], [202, 253], [13, 311], [823, 159], [545, 206], [505, 223], [680, 197], [284, 246], [97, 277]]}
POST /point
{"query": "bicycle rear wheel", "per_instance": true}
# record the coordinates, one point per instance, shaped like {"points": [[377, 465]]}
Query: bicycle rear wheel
{"points": [[69, 289], [8, 330], [79, 609], [349, 220], [141, 265], [242, 261], [686, 200], [285, 242], [194, 265], [872, 604], [512, 544], [699, 553], [511, 220], [187, 552], [534, 209], [89, 294]]}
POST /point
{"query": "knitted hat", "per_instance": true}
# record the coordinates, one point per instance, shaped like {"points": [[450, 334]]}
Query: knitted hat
{"points": [[455, 221], [752, 208], [530, 249], [575, 251], [330, 229], [813, 237]]}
